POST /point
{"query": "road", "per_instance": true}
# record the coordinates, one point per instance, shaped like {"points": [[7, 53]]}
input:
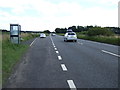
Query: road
{"points": [[52, 63]]}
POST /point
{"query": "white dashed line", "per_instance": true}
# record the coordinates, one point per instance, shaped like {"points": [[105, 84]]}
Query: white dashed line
{"points": [[55, 48], [111, 53], [32, 42], [80, 43], [59, 57], [71, 84], [52, 42], [63, 67], [56, 51]]}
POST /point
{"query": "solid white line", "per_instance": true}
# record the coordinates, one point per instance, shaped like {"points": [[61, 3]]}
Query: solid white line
{"points": [[110, 53], [63, 67], [71, 84], [32, 42], [59, 57], [55, 48], [56, 51]]}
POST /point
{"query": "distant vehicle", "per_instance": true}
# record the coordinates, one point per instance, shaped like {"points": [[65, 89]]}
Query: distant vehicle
{"points": [[53, 34], [70, 36], [42, 35], [69, 30]]}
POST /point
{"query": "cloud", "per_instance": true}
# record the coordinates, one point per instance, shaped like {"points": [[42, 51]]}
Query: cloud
{"points": [[46, 14]]}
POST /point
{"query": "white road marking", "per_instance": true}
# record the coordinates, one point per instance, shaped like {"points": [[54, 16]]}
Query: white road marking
{"points": [[55, 48], [80, 43], [59, 57], [63, 67], [71, 84], [56, 51], [111, 53], [52, 42], [32, 42]]}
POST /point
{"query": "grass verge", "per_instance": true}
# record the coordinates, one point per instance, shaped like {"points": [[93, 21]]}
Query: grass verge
{"points": [[115, 40], [11, 54], [62, 34], [28, 36], [104, 39]]}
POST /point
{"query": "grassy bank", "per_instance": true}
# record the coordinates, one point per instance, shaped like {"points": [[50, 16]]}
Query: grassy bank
{"points": [[27, 36], [115, 40], [11, 53], [62, 34]]}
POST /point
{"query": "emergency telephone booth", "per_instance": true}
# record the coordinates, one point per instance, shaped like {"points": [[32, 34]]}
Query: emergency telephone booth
{"points": [[15, 33]]}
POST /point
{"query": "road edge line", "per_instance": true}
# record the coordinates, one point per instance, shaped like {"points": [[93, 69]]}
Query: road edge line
{"points": [[33, 42], [110, 53]]}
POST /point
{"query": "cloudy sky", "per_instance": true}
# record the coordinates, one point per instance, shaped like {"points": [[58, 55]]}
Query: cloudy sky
{"points": [[50, 14]]}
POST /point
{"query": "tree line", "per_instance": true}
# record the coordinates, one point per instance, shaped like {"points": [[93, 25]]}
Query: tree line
{"points": [[116, 30]]}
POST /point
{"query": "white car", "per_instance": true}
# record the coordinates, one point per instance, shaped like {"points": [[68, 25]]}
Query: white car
{"points": [[69, 30], [53, 34], [42, 35], [70, 36]]}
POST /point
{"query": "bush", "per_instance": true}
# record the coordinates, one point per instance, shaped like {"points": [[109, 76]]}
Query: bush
{"points": [[103, 39], [97, 31], [84, 32], [30, 36]]}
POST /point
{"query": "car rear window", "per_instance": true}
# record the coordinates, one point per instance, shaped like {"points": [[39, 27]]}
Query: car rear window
{"points": [[71, 33]]}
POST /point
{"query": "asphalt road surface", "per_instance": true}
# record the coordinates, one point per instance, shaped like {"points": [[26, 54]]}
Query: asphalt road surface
{"points": [[52, 63]]}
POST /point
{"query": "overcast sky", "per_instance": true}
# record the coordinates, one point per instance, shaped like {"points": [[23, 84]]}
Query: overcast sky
{"points": [[50, 14]]}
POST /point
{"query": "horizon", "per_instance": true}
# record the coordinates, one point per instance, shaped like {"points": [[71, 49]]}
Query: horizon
{"points": [[55, 28]]}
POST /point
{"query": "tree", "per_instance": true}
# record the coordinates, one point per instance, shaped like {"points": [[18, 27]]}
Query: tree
{"points": [[60, 30], [80, 28], [46, 31]]}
